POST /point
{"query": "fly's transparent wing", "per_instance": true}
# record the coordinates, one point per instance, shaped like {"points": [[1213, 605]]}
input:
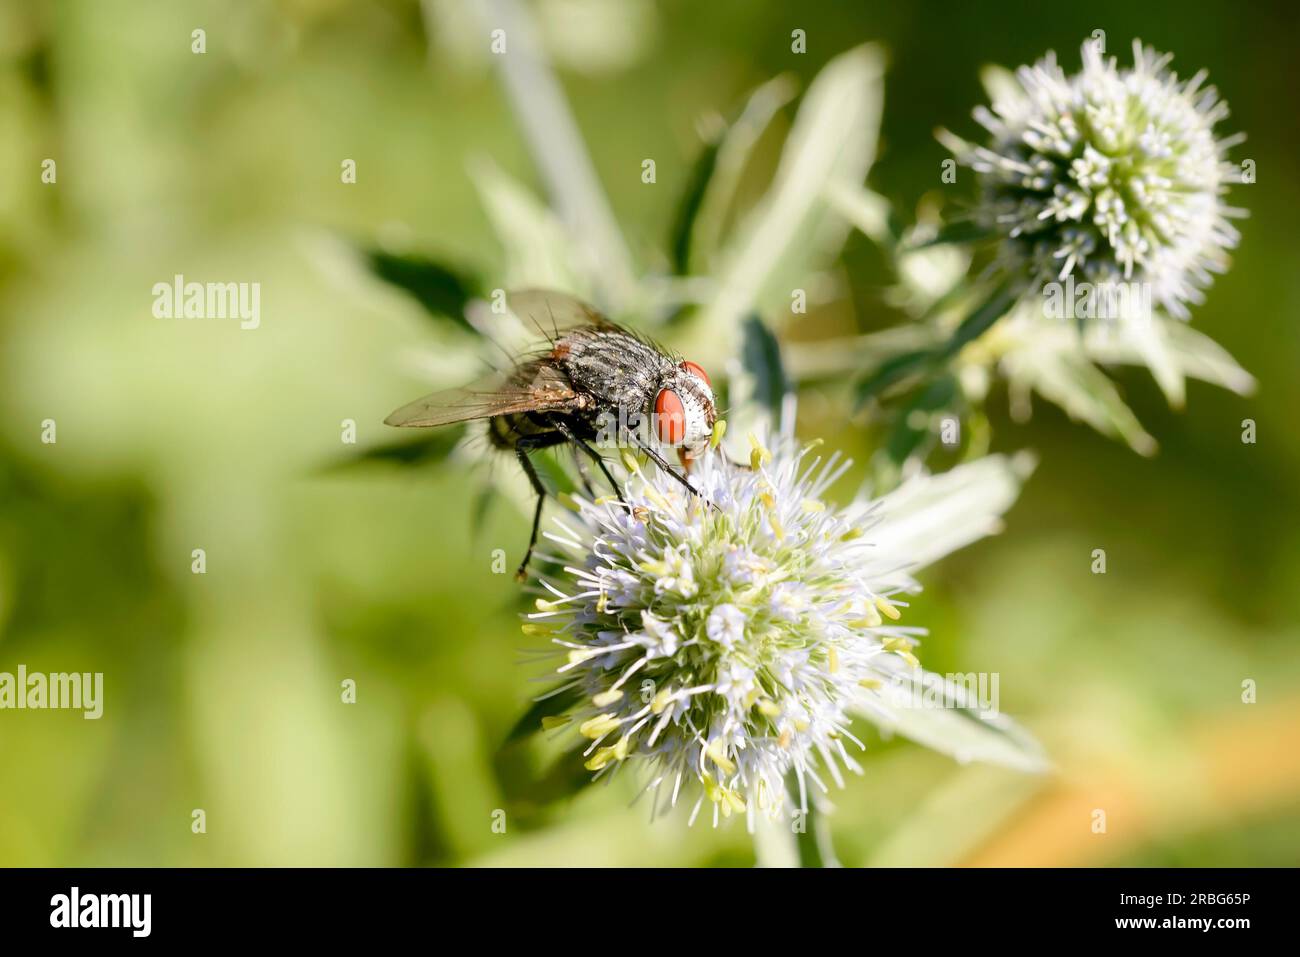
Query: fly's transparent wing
{"points": [[533, 387], [554, 313]]}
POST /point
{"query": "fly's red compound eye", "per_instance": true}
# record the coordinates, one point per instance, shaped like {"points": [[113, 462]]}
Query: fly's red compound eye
{"points": [[670, 417], [696, 371]]}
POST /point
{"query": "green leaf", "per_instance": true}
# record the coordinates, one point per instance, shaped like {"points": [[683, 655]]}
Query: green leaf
{"points": [[980, 321], [953, 724], [460, 778], [892, 371], [761, 357], [530, 722], [934, 515], [962, 231], [553, 474], [717, 175], [539, 251], [441, 290], [563, 779], [689, 208], [899, 368], [870, 212], [1193, 353], [795, 230], [1202, 358], [830, 360], [483, 501], [912, 426], [1083, 391], [431, 445], [756, 391]]}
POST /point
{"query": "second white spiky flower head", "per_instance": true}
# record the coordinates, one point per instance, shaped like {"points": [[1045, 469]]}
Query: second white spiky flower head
{"points": [[1109, 174]]}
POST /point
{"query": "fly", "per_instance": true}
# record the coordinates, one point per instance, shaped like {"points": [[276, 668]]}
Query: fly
{"points": [[593, 378]]}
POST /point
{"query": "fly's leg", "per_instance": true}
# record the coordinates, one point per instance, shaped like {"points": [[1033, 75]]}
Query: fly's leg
{"points": [[523, 445], [527, 465], [583, 476], [660, 461], [563, 428], [687, 462]]}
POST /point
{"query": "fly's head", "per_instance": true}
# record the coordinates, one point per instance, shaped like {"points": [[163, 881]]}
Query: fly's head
{"points": [[684, 412]]}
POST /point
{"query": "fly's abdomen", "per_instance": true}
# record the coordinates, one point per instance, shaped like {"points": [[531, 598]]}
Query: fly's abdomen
{"points": [[505, 430]]}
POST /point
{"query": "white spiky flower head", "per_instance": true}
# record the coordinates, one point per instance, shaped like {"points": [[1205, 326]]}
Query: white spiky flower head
{"points": [[1109, 174], [723, 646]]}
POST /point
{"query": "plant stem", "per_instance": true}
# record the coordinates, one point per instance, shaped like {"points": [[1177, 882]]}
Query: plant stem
{"points": [[813, 840]]}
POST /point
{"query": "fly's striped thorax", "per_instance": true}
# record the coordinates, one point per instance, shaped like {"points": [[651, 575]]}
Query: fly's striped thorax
{"points": [[615, 368]]}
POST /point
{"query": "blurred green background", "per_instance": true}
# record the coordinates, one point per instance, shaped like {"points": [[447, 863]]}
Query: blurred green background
{"points": [[222, 690]]}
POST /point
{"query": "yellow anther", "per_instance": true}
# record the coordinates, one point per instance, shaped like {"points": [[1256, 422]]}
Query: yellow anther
{"points": [[607, 697], [712, 790], [544, 605], [832, 660], [899, 647], [553, 721], [534, 630], [851, 534], [716, 754], [769, 503], [598, 726], [784, 740], [630, 463], [601, 758], [871, 684], [719, 430], [812, 506], [888, 610], [579, 655], [769, 708], [660, 701], [640, 513], [652, 493], [869, 619], [800, 724]]}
